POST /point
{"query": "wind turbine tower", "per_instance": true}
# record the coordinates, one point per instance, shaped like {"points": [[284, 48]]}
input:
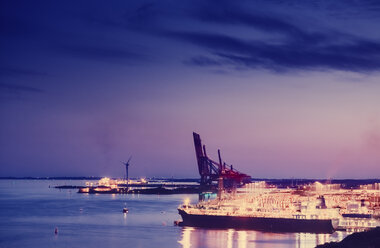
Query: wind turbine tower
{"points": [[126, 168]]}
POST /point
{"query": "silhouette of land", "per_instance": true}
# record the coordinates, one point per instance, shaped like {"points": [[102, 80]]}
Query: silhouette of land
{"points": [[367, 239]]}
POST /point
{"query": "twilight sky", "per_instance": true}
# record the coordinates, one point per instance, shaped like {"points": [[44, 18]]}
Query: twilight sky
{"points": [[284, 88]]}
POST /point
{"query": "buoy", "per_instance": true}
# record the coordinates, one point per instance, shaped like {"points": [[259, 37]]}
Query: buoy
{"points": [[56, 231]]}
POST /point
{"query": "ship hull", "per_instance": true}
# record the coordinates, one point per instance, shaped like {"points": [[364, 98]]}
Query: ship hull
{"points": [[257, 223]]}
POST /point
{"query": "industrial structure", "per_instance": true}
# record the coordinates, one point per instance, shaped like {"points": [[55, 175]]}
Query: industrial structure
{"points": [[220, 172]]}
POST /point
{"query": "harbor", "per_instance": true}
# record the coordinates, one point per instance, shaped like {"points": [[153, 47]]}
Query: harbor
{"points": [[223, 205], [228, 198]]}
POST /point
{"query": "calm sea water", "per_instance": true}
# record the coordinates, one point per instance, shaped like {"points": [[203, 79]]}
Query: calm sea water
{"points": [[30, 211]]}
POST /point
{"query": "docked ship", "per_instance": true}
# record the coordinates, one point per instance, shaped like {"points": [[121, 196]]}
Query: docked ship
{"points": [[254, 213]]}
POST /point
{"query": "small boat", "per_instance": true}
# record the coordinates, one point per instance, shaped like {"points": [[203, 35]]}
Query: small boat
{"points": [[125, 209]]}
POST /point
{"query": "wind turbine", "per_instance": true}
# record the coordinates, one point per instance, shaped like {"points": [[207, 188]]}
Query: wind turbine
{"points": [[126, 168]]}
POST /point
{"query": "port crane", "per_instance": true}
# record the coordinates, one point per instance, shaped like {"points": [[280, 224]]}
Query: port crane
{"points": [[210, 171]]}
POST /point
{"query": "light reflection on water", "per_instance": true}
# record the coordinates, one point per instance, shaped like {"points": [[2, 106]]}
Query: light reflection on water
{"points": [[198, 237], [30, 211], [186, 237]]}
